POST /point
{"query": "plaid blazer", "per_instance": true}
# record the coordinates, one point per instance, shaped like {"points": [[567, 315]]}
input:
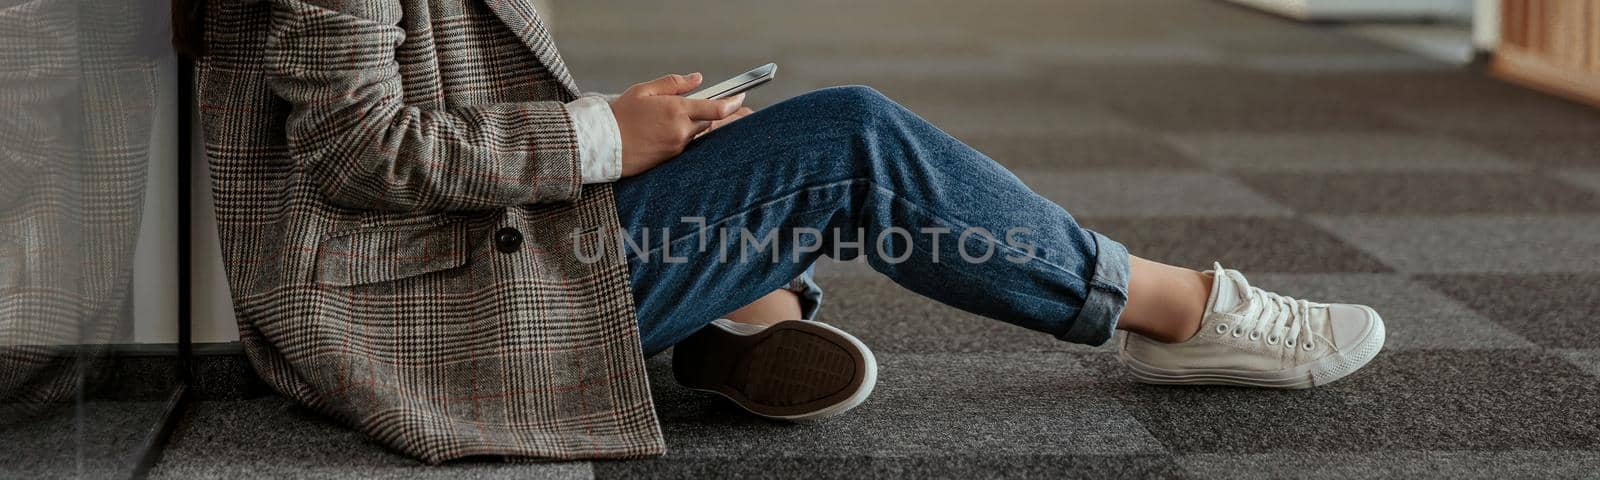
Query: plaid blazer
{"points": [[366, 155]]}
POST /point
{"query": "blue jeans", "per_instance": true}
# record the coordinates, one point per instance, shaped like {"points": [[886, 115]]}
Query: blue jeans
{"points": [[845, 172]]}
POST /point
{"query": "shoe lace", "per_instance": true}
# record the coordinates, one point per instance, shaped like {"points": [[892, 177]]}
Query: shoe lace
{"points": [[1276, 310]]}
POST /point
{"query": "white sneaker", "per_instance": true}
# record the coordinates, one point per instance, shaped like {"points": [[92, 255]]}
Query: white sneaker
{"points": [[796, 370], [1252, 337]]}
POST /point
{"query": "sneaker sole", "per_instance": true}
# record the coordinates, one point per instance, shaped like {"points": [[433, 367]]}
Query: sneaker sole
{"points": [[1315, 374], [796, 370]]}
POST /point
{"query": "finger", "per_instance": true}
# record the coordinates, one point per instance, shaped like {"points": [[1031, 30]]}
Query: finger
{"points": [[724, 122], [713, 109], [669, 85], [716, 124], [699, 128]]}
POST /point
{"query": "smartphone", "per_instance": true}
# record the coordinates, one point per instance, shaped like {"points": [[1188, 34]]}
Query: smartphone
{"points": [[740, 84]]}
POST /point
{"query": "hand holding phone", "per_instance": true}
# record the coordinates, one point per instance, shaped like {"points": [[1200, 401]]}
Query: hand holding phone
{"points": [[656, 122]]}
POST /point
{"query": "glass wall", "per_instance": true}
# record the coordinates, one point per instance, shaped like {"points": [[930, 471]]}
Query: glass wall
{"points": [[87, 94]]}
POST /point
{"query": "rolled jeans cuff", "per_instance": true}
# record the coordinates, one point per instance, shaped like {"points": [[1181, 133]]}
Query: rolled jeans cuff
{"points": [[805, 286], [1108, 295]]}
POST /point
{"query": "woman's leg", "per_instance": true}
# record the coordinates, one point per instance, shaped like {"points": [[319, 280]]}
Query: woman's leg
{"points": [[1165, 303], [845, 172], [777, 306]]}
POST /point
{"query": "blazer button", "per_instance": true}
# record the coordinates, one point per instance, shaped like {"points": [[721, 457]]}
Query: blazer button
{"points": [[507, 240]]}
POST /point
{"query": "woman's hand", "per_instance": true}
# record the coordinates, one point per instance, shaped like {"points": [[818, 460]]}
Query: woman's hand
{"points": [[656, 122]]}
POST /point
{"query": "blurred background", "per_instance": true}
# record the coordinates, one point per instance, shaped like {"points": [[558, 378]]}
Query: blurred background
{"points": [[1438, 159]]}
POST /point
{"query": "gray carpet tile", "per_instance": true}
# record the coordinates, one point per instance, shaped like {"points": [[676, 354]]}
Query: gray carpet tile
{"points": [[1033, 119], [1422, 192], [891, 319], [1215, 116], [1543, 152], [594, 53], [1259, 245], [125, 376], [92, 439], [1301, 41], [890, 54], [1100, 52], [1551, 464], [925, 405], [1547, 119], [1364, 62], [962, 466], [1471, 244], [226, 376], [1219, 99], [1517, 399], [1181, 85], [1428, 90], [1097, 151], [1151, 194], [1588, 177], [885, 45], [1466, 400], [825, 66], [1587, 359], [1416, 316], [270, 438], [1338, 152], [1553, 310]]}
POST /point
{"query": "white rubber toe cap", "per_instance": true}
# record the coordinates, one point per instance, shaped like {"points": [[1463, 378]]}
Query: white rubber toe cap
{"points": [[1350, 323]]}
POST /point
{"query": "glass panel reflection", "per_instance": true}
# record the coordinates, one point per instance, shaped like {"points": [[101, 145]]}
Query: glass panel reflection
{"points": [[78, 90]]}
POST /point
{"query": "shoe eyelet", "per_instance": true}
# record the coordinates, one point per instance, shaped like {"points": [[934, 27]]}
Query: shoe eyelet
{"points": [[1308, 346], [1238, 333], [1222, 328], [1288, 342], [1255, 335], [1272, 340]]}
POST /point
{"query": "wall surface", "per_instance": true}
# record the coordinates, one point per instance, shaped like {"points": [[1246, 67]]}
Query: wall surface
{"points": [[155, 262], [211, 305], [1486, 24]]}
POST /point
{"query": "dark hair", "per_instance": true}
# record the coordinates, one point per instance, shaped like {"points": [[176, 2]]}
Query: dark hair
{"points": [[189, 27]]}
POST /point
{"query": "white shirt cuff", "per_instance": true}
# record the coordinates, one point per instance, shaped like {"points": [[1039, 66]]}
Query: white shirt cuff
{"points": [[599, 140]]}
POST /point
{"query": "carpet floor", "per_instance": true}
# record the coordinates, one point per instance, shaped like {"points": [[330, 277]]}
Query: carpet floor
{"points": [[1323, 165]]}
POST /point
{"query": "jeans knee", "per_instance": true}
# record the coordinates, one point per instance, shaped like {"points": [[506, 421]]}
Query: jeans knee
{"points": [[856, 102], [855, 95], [842, 125]]}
